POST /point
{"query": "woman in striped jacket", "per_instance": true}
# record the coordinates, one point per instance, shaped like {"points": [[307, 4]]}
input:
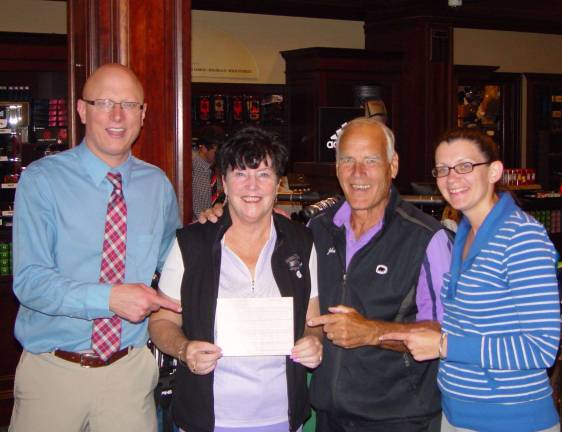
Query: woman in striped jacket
{"points": [[501, 326]]}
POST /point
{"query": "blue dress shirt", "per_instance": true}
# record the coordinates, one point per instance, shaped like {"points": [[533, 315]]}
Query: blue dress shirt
{"points": [[59, 223]]}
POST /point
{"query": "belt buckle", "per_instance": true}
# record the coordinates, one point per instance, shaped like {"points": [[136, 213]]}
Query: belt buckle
{"points": [[85, 356]]}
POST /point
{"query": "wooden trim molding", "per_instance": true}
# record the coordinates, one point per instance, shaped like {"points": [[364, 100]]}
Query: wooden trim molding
{"points": [[123, 31]]}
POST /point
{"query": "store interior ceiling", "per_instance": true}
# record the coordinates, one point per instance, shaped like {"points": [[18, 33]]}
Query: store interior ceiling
{"points": [[542, 16]]}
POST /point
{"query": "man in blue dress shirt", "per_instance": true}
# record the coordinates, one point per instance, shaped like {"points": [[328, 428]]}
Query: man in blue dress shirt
{"points": [[62, 383]]}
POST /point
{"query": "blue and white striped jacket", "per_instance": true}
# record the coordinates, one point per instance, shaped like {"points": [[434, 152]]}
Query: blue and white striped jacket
{"points": [[502, 311]]}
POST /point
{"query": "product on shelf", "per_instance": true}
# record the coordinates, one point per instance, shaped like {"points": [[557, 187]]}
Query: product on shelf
{"points": [[5, 259], [219, 108], [549, 218], [518, 176]]}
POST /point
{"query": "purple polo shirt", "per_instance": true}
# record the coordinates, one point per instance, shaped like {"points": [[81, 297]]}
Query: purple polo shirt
{"points": [[436, 262]]}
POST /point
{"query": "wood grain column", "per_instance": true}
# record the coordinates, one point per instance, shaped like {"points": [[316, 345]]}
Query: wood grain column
{"points": [[425, 114], [153, 37]]}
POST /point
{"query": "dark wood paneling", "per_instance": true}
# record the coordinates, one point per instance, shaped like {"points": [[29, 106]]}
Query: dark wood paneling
{"points": [[425, 88], [437, 42], [79, 62], [32, 52]]}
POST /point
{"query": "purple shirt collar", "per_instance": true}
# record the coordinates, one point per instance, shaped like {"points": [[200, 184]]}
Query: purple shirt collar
{"points": [[352, 245], [438, 258]]}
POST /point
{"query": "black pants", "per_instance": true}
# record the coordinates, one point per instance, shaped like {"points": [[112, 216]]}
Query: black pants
{"points": [[328, 423]]}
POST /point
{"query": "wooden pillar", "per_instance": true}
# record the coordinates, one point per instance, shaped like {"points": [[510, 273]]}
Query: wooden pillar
{"points": [[427, 46]]}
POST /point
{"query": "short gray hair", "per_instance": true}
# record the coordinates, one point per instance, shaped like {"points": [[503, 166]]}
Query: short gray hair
{"points": [[389, 135]]}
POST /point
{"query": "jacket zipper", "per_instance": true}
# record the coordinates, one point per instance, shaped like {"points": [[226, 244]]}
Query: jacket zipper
{"points": [[339, 351]]}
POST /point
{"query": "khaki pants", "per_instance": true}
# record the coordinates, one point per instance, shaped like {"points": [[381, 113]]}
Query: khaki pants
{"points": [[54, 395]]}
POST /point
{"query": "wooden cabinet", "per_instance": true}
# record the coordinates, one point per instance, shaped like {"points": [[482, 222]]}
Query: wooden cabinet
{"points": [[326, 77]]}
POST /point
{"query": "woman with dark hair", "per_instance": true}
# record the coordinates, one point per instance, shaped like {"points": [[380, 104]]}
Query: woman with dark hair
{"points": [[250, 253], [501, 324]]}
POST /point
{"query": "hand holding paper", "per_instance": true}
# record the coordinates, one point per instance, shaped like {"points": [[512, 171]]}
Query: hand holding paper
{"points": [[308, 352], [201, 357]]}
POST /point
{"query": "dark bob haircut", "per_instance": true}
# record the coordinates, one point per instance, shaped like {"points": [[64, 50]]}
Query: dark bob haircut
{"points": [[248, 147]]}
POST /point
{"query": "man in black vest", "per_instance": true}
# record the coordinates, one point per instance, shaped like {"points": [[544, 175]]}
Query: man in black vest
{"points": [[380, 264]]}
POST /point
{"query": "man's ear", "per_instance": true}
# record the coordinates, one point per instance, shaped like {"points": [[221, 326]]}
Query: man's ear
{"points": [[394, 165], [81, 108], [143, 113]]}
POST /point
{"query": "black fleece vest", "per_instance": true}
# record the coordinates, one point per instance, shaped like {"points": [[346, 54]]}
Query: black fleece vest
{"points": [[193, 404], [370, 384]]}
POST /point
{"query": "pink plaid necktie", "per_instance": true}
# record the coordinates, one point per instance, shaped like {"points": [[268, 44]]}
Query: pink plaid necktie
{"points": [[106, 333]]}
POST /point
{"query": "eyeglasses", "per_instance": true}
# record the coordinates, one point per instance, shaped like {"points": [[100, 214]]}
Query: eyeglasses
{"points": [[461, 168], [108, 104]]}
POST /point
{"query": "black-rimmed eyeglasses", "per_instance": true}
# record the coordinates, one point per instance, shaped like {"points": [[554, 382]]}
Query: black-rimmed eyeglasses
{"points": [[108, 104], [460, 168]]}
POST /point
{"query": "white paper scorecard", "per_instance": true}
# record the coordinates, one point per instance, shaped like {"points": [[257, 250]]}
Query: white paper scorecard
{"points": [[254, 326]]}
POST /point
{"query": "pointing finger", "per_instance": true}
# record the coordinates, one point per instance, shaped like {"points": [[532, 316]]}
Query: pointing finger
{"points": [[320, 320], [167, 303], [341, 309]]}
